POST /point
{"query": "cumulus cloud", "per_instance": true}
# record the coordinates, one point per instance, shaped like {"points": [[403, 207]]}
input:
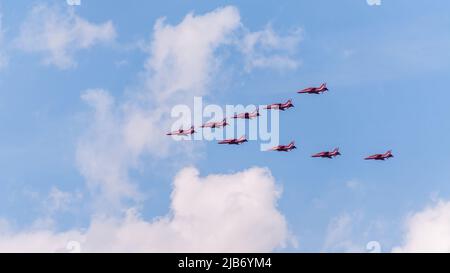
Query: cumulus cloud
{"points": [[227, 213], [182, 57], [58, 34], [217, 213], [267, 49], [181, 64], [183, 60], [428, 230]]}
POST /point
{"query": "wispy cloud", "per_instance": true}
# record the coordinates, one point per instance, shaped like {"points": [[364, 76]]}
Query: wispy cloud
{"points": [[374, 2], [180, 65], [267, 49], [103, 156], [339, 235], [59, 33], [3, 55]]}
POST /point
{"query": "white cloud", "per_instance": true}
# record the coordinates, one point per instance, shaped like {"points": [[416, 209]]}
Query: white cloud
{"points": [[374, 2], [58, 34], [102, 156], [339, 235], [183, 56], [267, 49], [428, 230], [218, 213], [181, 64], [73, 2]]}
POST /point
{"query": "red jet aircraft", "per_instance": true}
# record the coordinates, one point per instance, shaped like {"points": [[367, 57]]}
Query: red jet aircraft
{"points": [[328, 154], [314, 90], [280, 106], [248, 115], [215, 124], [284, 148], [234, 141], [182, 132], [383, 157]]}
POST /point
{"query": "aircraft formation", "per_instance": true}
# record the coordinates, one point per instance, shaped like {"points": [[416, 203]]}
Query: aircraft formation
{"points": [[280, 148]]}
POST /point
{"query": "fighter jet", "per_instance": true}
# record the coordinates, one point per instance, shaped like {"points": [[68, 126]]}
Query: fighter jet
{"points": [[247, 115], [284, 148], [213, 125], [328, 154], [280, 106], [234, 141], [382, 157], [182, 132], [314, 90]]}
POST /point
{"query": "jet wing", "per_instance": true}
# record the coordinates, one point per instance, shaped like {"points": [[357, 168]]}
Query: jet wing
{"points": [[322, 154], [240, 116], [227, 141]]}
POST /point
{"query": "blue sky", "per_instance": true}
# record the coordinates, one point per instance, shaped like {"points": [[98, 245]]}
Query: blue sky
{"points": [[387, 68]]}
